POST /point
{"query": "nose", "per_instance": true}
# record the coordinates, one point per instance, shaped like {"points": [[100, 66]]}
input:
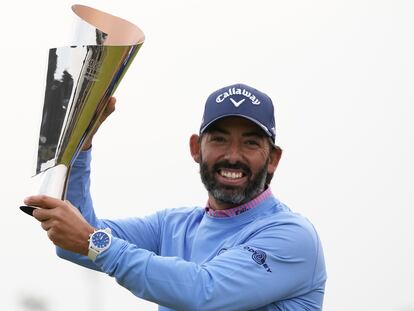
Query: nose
{"points": [[233, 153]]}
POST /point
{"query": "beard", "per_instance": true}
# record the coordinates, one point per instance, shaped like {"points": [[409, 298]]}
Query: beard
{"points": [[234, 195]]}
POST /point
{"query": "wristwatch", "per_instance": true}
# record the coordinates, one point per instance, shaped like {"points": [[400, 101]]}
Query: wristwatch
{"points": [[99, 241]]}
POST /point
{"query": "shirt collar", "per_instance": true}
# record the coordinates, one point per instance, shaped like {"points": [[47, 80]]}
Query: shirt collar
{"points": [[231, 212]]}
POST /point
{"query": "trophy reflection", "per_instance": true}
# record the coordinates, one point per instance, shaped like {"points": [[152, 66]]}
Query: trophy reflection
{"points": [[80, 79]]}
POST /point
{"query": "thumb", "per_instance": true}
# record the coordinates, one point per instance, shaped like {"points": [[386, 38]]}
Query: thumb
{"points": [[110, 107]]}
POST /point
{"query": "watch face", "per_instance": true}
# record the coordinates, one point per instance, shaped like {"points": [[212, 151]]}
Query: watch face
{"points": [[100, 239]]}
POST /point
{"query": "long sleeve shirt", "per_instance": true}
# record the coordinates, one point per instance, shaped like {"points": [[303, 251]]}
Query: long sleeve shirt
{"points": [[266, 258]]}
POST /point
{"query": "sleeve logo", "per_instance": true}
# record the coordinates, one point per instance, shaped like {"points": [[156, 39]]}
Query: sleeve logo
{"points": [[259, 257]]}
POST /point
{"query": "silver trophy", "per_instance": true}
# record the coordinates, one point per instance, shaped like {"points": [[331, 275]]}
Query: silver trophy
{"points": [[80, 79]]}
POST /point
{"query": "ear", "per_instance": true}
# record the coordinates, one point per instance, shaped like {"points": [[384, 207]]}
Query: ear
{"points": [[195, 148], [275, 155]]}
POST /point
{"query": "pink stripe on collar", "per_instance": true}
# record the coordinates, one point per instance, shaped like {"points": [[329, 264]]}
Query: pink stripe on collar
{"points": [[231, 212]]}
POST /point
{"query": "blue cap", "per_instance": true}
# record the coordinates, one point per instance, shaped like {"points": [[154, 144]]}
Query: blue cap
{"points": [[240, 100]]}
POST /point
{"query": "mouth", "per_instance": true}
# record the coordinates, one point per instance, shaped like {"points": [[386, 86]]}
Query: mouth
{"points": [[233, 177], [231, 174]]}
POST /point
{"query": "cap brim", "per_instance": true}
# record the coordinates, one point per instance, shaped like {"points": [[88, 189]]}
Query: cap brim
{"points": [[264, 128]]}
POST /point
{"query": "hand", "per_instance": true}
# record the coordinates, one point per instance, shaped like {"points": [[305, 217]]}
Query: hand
{"points": [[110, 107], [64, 224]]}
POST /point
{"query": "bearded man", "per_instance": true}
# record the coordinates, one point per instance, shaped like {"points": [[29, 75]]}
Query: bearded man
{"points": [[245, 250]]}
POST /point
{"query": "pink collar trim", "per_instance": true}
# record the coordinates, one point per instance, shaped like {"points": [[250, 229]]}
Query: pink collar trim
{"points": [[231, 212]]}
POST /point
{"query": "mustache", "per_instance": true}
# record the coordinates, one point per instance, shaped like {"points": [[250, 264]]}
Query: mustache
{"points": [[237, 166]]}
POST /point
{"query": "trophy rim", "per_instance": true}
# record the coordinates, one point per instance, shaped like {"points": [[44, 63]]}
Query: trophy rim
{"points": [[120, 31]]}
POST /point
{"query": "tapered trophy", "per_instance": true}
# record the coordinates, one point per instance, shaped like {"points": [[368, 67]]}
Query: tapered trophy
{"points": [[80, 79]]}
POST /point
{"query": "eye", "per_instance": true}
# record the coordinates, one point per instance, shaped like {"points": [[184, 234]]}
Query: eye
{"points": [[218, 138], [252, 143]]}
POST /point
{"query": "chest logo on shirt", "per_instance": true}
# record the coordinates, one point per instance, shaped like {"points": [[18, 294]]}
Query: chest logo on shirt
{"points": [[259, 257]]}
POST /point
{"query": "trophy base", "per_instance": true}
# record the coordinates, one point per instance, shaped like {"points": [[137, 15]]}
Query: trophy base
{"points": [[27, 209], [51, 182]]}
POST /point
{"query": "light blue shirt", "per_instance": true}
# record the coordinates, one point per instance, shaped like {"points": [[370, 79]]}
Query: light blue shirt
{"points": [[267, 258]]}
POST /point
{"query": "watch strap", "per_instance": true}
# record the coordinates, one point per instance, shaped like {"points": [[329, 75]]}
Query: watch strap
{"points": [[92, 253]]}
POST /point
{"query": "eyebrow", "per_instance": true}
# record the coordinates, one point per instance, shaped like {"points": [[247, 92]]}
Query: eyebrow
{"points": [[258, 134], [217, 129]]}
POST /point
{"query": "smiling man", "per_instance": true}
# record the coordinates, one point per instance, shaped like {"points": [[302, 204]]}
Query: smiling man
{"points": [[244, 251], [240, 158]]}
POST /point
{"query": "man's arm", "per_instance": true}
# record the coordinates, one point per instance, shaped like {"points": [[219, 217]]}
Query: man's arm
{"points": [[78, 192], [241, 278], [278, 264], [143, 232]]}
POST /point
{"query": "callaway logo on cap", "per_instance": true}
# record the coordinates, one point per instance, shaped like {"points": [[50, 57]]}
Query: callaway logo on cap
{"points": [[240, 100]]}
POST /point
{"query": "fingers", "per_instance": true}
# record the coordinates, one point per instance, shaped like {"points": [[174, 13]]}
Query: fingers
{"points": [[43, 201], [46, 204], [110, 107], [47, 224], [42, 214], [51, 215], [111, 104]]}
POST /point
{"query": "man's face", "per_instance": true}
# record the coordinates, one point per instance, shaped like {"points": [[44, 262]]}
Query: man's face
{"points": [[234, 161]]}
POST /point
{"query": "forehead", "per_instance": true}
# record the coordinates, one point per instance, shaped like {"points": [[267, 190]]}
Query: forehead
{"points": [[230, 124]]}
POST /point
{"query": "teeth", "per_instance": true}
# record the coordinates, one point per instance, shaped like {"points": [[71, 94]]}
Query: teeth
{"points": [[231, 175]]}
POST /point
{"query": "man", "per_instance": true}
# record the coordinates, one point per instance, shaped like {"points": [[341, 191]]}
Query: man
{"points": [[245, 251]]}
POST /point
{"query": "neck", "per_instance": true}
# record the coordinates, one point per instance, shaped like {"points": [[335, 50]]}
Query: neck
{"points": [[220, 205]]}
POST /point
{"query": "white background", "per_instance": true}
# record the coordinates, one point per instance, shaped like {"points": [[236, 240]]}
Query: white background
{"points": [[341, 74]]}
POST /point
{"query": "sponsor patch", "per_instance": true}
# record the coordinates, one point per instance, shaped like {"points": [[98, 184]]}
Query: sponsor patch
{"points": [[259, 257]]}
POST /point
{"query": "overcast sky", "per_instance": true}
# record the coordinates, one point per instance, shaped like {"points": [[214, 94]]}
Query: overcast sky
{"points": [[341, 74]]}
